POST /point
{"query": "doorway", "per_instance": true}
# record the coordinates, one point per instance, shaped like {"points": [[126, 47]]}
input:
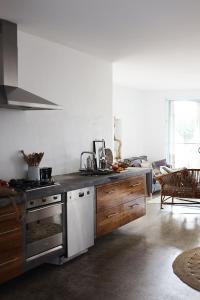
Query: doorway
{"points": [[184, 134]]}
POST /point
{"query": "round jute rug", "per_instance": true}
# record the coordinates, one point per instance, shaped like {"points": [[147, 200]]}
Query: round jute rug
{"points": [[187, 267]]}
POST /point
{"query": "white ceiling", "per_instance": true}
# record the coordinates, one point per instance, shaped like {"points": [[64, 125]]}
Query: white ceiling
{"points": [[154, 43]]}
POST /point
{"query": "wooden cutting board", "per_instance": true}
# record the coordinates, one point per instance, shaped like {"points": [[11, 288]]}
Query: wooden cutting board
{"points": [[109, 156]]}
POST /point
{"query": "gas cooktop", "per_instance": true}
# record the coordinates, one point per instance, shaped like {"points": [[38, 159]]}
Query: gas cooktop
{"points": [[27, 185]]}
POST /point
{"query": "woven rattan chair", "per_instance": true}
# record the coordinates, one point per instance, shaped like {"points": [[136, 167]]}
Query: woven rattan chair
{"points": [[180, 184]]}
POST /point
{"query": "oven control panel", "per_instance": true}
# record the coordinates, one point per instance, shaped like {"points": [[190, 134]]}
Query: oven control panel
{"points": [[43, 201]]}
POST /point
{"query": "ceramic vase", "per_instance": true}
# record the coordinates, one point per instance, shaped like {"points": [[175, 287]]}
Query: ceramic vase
{"points": [[33, 173]]}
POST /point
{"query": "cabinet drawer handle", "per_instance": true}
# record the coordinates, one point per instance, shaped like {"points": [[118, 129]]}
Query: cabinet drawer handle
{"points": [[109, 192], [134, 185], [133, 205], [7, 215], [9, 261], [112, 215], [9, 231]]}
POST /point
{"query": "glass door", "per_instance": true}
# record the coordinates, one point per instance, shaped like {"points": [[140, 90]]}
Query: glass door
{"points": [[184, 134]]}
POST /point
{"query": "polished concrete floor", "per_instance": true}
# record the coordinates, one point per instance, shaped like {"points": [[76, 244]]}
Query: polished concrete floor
{"points": [[134, 262]]}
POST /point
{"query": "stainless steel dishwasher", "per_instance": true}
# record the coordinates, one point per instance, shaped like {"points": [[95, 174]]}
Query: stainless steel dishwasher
{"points": [[80, 221]]}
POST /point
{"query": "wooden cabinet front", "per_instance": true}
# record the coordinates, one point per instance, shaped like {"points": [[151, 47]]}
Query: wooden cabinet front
{"points": [[119, 203], [133, 210], [108, 220], [10, 269], [10, 241], [117, 193]]}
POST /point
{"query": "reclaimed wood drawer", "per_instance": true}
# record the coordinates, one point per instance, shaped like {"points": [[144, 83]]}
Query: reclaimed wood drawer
{"points": [[117, 216], [108, 220], [6, 210], [10, 269], [9, 224], [10, 245], [135, 185], [133, 210], [11, 210], [117, 193], [10, 218]]}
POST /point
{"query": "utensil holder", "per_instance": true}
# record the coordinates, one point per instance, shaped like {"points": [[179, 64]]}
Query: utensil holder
{"points": [[33, 173]]}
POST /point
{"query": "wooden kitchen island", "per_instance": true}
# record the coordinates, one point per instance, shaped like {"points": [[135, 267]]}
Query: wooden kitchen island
{"points": [[119, 203], [120, 197]]}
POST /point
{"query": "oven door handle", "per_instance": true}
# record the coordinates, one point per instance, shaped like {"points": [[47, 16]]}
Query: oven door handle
{"points": [[44, 212]]}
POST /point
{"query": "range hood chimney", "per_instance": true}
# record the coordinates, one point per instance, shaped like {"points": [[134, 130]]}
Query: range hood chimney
{"points": [[12, 96]]}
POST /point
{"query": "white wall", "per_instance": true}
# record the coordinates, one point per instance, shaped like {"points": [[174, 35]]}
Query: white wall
{"points": [[144, 119], [80, 83], [128, 108]]}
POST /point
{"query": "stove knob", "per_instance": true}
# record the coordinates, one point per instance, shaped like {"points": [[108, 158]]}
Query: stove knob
{"points": [[43, 200], [31, 202]]}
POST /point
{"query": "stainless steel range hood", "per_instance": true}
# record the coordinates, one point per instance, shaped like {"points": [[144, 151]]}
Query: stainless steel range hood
{"points": [[12, 96]]}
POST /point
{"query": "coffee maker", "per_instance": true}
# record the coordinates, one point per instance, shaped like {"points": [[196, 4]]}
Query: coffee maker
{"points": [[45, 175]]}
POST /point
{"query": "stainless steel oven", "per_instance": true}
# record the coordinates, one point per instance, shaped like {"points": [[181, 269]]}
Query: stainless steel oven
{"points": [[44, 226]]}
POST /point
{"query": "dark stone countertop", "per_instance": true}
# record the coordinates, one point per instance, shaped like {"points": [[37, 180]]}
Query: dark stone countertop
{"points": [[73, 181]]}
